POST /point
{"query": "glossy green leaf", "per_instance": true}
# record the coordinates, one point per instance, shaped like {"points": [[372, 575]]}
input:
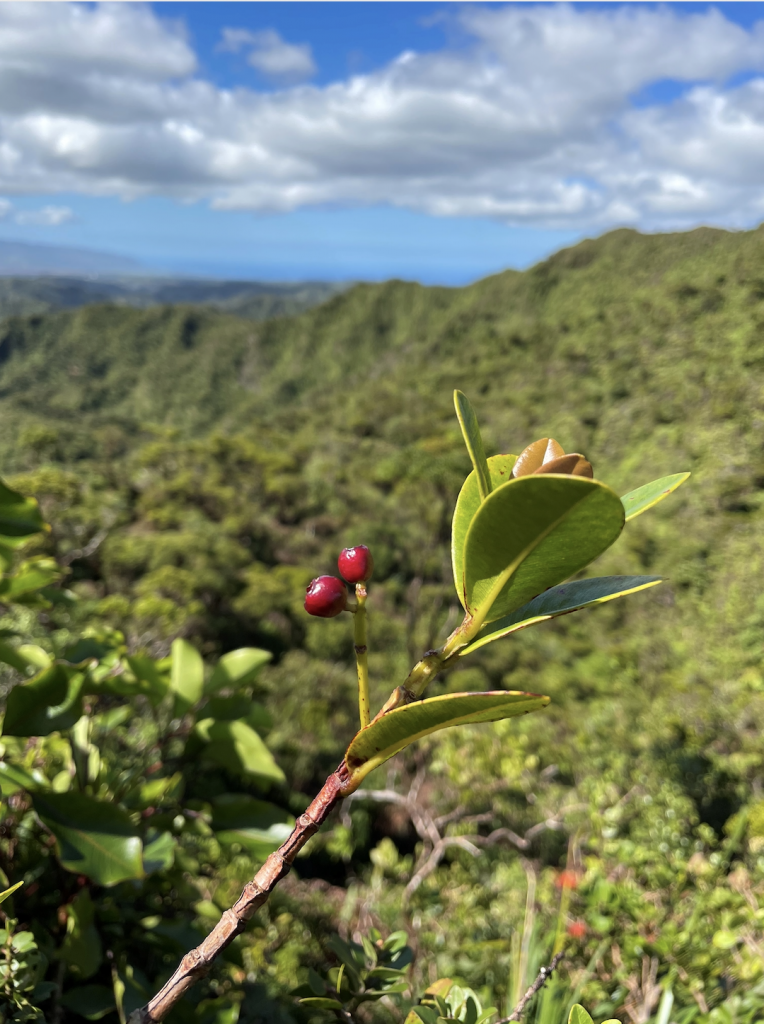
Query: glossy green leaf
{"points": [[9, 892], [19, 516], [533, 533], [578, 1015], [186, 675], [472, 438], [237, 668], [49, 702], [258, 826], [500, 467], [397, 729], [640, 500], [568, 597], [93, 837], [89, 1001], [235, 746]]}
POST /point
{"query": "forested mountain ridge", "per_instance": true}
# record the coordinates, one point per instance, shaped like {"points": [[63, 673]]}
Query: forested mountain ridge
{"points": [[199, 469]]}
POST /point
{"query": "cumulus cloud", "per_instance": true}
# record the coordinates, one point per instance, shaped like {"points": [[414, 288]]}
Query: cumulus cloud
{"points": [[47, 216], [271, 55], [542, 115]]}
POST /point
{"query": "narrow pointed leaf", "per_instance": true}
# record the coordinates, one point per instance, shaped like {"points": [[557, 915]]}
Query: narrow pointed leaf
{"points": [[186, 675], [471, 433], [93, 837], [568, 597], [640, 500], [533, 533], [397, 729], [9, 892], [500, 467]]}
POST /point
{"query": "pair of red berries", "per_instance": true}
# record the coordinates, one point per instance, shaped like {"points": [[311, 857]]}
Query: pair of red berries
{"points": [[327, 596]]}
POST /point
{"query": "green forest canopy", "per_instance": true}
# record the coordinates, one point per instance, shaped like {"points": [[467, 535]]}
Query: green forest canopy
{"points": [[199, 469]]}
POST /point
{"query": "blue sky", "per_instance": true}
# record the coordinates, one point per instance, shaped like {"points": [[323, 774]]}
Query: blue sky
{"points": [[437, 142]]}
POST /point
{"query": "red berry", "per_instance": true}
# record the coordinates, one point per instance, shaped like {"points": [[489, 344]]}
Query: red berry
{"points": [[356, 564], [326, 597]]}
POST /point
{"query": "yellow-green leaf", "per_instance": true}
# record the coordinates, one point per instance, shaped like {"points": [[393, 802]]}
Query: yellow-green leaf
{"points": [[9, 892], [397, 729], [533, 533], [237, 668], [186, 675], [471, 433], [500, 468], [237, 747], [640, 500], [568, 597], [19, 516], [578, 1015]]}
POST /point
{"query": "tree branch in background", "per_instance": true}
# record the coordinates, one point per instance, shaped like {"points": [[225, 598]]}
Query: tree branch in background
{"points": [[542, 978]]}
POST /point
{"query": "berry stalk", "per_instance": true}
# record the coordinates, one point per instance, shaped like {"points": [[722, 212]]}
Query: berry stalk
{"points": [[361, 657]]}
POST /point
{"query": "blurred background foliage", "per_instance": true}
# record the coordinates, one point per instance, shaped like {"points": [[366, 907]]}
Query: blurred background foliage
{"points": [[197, 469]]}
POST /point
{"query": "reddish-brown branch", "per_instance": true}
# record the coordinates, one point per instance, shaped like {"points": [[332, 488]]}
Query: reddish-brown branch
{"points": [[197, 963]]}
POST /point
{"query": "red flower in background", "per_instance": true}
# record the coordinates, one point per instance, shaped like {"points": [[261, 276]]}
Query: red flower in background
{"points": [[567, 880], [577, 929]]}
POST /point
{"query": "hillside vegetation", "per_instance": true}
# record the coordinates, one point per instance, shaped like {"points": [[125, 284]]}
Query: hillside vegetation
{"points": [[199, 469]]}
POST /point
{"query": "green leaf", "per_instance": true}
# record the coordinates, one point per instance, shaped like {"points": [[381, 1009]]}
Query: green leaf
{"points": [[533, 533], [13, 778], [237, 668], [89, 1001], [10, 656], [31, 577], [578, 1015], [471, 433], [258, 826], [9, 892], [500, 467], [320, 1003], [158, 851], [81, 948], [94, 838], [19, 516], [568, 597], [640, 500], [186, 675], [150, 679], [235, 746], [397, 729], [51, 701]]}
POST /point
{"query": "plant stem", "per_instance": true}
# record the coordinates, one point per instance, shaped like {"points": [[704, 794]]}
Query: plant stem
{"points": [[361, 657], [197, 963]]}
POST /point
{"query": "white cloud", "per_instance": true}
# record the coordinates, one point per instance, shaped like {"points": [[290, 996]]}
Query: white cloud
{"points": [[532, 120], [47, 216], [271, 55]]}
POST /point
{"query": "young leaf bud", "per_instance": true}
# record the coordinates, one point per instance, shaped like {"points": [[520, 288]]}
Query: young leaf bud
{"points": [[356, 564], [326, 597]]}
